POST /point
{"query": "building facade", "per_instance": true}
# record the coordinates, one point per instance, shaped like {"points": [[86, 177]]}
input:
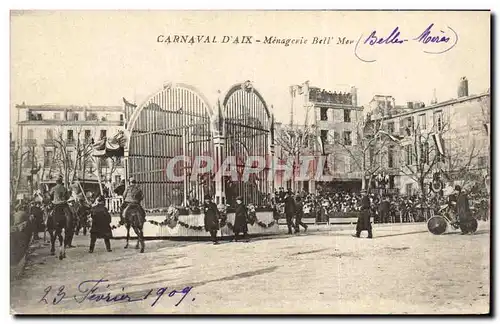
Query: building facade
{"points": [[335, 119], [447, 142], [57, 140]]}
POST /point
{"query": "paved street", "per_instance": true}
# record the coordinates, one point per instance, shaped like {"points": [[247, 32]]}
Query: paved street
{"points": [[404, 269]]}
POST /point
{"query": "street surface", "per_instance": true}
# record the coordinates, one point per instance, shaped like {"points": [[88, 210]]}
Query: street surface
{"points": [[403, 270]]}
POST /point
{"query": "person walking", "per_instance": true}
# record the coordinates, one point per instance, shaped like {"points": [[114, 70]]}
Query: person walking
{"points": [[240, 219], [364, 223], [298, 215], [211, 218], [290, 209], [464, 214], [383, 210], [101, 220]]}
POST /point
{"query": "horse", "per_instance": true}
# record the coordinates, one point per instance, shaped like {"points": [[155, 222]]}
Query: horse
{"points": [[132, 218], [60, 224]]}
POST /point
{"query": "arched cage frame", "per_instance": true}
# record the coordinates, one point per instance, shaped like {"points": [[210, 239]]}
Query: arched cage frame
{"points": [[178, 120]]}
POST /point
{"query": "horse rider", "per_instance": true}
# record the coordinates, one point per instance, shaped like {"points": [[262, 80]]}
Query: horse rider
{"points": [[60, 196], [132, 195]]}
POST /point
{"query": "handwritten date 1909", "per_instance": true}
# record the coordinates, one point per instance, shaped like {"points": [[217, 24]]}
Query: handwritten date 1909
{"points": [[93, 290]]}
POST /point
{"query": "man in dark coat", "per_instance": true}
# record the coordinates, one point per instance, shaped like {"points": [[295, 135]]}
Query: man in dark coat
{"points": [[37, 213], [211, 218], [364, 223], [290, 209], [101, 220], [281, 195], [240, 219], [383, 210], [299, 213], [464, 213]]}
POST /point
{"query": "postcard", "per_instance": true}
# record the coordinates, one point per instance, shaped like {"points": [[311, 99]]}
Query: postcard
{"points": [[250, 162]]}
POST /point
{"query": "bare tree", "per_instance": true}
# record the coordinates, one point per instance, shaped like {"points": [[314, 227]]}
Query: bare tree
{"points": [[295, 141], [420, 158], [17, 158], [367, 152], [72, 155]]}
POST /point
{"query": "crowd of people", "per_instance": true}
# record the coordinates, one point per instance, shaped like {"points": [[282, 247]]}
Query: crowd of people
{"points": [[330, 97], [383, 208]]}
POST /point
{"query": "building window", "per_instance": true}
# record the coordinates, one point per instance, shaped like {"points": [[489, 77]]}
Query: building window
{"points": [[50, 134], [422, 121], [425, 153], [347, 164], [347, 138], [438, 121], [75, 116], [103, 133], [30, 134], [69, 158], [48, 158], [87, 135], [347, 116], [390, 157], [57, 116], [408, 154], [323, 114], [324, 135], [409, 126], [409, 189], [390, 127], [69, 136]]}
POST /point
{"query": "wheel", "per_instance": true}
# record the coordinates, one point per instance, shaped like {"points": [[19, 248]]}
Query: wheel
{"points": [[470, 226], [437, 225]]}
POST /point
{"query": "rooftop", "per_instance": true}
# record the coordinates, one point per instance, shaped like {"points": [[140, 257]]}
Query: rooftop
{"points": [[50, 107], [437, 105]]}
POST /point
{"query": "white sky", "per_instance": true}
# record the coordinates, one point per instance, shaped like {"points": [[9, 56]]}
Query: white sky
{"points": [[99, 57]]}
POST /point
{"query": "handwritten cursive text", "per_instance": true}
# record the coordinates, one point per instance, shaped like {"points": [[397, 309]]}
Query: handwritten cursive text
{"points": [[96, 291]]}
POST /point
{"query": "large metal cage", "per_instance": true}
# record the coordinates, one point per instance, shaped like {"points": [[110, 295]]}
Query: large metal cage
{"points": [[177, 120], [247, 122]]}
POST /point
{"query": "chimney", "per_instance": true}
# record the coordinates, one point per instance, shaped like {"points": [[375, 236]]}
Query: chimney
{"points": [[463, 88], [434, 97], [354, 96]]}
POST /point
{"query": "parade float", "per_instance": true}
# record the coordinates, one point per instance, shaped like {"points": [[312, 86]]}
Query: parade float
{"points": [[178, 121]]}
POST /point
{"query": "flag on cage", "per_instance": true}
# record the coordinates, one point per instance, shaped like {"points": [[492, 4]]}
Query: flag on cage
{"points": [[113, 146], [439, 142]]}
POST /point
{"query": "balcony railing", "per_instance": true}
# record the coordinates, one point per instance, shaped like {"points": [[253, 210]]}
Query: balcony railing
{"points": [[114, 204], [30, 142], [49, 141]]}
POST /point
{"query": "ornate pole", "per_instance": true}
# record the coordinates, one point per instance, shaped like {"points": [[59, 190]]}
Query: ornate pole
{"points": [[219, 144]]}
